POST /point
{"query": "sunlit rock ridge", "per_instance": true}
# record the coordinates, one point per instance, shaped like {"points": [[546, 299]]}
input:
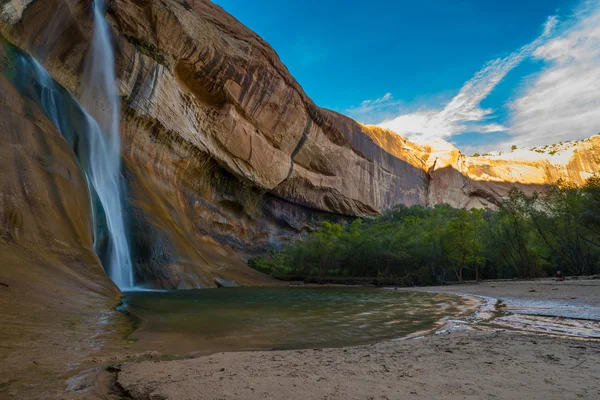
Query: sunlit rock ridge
{"points": [[224, 154]]}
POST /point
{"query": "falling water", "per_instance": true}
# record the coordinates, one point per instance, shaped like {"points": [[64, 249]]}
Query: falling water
{"points": [[92, 129], [101, 100], [93, 151]]}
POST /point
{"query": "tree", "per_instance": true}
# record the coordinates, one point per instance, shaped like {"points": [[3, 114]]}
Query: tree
{"points": [[512, 235], [555, 216], [477, 245], [590, 216], [325, 245], [514, 147], [526, 236], [461, 233]]}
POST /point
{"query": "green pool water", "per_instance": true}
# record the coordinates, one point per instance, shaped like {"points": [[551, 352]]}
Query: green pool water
{"points": [[266, 318]]}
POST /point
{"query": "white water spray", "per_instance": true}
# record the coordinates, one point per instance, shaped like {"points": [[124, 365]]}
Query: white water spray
{"points": [[93, 133], [101, 100]]}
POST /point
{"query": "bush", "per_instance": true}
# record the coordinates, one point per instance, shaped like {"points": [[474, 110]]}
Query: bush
{"points": [[527, 237]]}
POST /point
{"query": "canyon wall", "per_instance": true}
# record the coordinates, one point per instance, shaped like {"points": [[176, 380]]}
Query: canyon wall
{"points": [[225, 155], [482, 181], [45, 220], [50, 276]]}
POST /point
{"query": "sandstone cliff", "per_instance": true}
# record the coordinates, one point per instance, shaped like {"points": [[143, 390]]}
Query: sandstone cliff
{"points": [[51, 282], [45, 220], [476, 182], [224, 153]]}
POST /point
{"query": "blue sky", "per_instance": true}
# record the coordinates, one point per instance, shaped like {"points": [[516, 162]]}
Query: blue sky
{"points": [[481, 74]]}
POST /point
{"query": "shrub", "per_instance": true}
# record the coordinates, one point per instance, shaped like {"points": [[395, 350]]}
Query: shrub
{"points": [[526, 237]]}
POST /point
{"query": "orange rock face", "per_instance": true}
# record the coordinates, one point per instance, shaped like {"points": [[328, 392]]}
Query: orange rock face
{"points": [[44, 201], [224, 153], [50, 277], [476, 182]]}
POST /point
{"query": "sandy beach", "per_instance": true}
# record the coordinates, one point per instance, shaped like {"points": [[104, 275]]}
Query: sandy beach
{"points": [[465, 365], [495, 350], [572, 292], [477, 360]]}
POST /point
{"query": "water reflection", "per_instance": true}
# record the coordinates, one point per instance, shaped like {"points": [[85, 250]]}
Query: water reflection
{"points": [[212, 320]]}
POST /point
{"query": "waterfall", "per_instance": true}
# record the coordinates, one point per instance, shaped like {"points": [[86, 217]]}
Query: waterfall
{"points": [[100, 166], [101, 100], [92, 129]]}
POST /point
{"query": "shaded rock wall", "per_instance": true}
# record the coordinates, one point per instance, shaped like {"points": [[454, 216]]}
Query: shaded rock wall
{"points": [[220, 143], [46, 248], [225, 155], [229, 96], [55, 298]]}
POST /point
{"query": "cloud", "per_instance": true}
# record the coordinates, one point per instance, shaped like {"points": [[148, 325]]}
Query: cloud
{"points": [[383, 99], [373, 111], [560, 102], [563, 101], [463, 113]]}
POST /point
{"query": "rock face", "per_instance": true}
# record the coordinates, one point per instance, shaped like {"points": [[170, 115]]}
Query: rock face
{"points": [[50, 277], [44, 198], [476, 182], [225, 155]]}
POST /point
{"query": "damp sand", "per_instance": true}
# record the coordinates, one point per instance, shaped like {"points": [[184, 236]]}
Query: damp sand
{"points": [[472, 356], [478, 357]]}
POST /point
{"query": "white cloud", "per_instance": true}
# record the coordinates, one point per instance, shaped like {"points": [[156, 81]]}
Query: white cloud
{"points": [[386, 97], [371, 111], [563, 101], [463, 113]]}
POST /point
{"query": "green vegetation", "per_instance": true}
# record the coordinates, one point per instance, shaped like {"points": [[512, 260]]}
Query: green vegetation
{"points": [[526, 237], [514, 147]]}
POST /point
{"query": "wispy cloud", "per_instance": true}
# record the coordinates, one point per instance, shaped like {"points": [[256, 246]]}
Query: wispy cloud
{"points": [[373, 111], [383, 99], [563, 101], [463, 113]]}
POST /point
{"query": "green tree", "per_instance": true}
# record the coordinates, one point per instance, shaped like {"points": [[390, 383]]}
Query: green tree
{"points": [[525, 237], [477, 245], [555, 216], [461, 236], [511, 232], [590, 215]]}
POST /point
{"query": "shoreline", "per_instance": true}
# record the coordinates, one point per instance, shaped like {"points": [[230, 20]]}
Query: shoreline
{"points": [[517, 361], [438, 363], [333, 328], [574, 299]]}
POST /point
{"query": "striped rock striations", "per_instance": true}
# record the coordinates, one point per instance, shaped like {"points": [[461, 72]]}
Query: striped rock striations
{"points": [[225, 155]]}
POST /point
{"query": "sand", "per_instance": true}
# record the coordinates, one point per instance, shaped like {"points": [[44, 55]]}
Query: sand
{"points": [[585, 292], [464, 365], [475, 359], [496, 353]]}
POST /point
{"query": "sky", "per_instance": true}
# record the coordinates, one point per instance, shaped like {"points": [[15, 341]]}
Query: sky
{"points": [[483, 75]]}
